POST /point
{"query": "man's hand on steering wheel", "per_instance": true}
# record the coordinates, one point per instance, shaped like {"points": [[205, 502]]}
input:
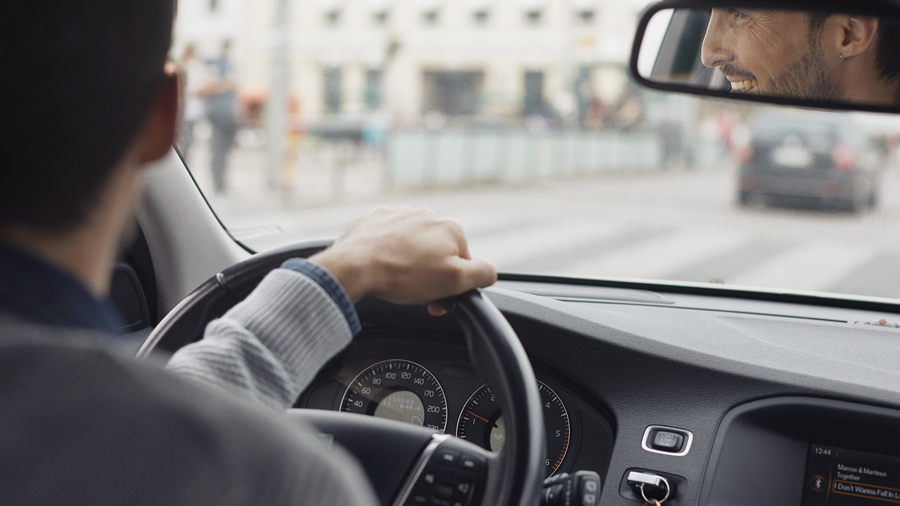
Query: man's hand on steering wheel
{"points": [[405, 256]]}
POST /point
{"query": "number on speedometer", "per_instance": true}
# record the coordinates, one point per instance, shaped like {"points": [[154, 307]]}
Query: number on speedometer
{"points": [[481, 422], [398, 390]]}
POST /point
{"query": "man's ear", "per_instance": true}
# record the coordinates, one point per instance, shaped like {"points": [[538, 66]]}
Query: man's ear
{"points": [[859, 34], [158, 133]]}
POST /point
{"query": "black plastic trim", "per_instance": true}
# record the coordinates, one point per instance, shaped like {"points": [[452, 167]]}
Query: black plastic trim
{"points": [[130, 297], [715, 291], [138, 257]]}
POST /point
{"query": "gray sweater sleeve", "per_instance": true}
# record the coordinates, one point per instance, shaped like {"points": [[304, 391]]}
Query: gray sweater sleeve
{"points": [[270, 346]]}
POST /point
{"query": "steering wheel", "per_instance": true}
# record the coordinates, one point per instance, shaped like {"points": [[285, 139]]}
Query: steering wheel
{"points": [[407, 465]]}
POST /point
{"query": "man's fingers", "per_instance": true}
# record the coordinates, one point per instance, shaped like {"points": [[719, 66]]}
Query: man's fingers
{"points": [[390, 252], [463, 247], [474, 273], [456, 234]]}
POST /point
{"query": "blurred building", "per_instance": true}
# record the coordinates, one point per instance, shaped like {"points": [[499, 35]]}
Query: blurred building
{"points": [[408, 58]]}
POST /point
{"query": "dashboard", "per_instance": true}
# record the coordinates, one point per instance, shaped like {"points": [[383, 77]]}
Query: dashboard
{"points": [[763, 382], [427, 379], [756, 386]]}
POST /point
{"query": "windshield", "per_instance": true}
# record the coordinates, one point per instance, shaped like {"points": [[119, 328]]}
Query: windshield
{"points": [[518, 119]]}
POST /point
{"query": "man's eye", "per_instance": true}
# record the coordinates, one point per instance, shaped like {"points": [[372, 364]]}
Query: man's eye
{"points": [[736, 14]]}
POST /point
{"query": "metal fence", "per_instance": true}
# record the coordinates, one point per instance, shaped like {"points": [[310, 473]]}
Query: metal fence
{"points": [[424, 159]]}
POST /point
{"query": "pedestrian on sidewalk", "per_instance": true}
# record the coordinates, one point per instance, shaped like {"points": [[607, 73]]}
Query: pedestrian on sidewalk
{"points": [[220, 93]]}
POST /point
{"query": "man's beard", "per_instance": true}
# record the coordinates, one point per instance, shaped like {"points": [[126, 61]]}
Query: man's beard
{"points": [[807, 78]]}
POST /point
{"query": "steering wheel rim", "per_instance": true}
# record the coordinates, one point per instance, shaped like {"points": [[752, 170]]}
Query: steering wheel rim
{"points": [[498, 355], [514, 478]]}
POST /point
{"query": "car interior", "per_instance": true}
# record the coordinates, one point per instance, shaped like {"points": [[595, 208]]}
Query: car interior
{"points": [[679, 393]]}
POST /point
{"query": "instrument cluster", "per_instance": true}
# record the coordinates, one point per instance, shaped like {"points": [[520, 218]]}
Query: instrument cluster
{"points": [[406, 391], [430, 382]]}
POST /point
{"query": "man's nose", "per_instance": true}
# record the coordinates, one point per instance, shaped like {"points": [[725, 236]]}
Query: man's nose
{"points": [[713, 52]]}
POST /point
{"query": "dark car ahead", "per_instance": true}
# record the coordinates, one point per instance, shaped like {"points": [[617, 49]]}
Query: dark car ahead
{"points": [[805, 158]]}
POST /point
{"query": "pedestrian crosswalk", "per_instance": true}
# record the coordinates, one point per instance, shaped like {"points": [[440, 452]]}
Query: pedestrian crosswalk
{"points": [[665, 254], [638, 228], [816, 265], [585, 247], [692, 254], [513, 247]]}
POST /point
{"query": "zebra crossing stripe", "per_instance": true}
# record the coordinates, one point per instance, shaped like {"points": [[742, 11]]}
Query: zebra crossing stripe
{"points": [[812, 265], [657, 258]]}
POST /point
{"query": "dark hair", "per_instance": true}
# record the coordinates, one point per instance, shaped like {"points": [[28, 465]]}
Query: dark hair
{"points": [[888, 55], [79, 79], [887, 43]]}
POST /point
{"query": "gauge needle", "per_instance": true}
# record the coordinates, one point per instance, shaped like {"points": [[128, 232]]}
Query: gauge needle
{"points": [[485, 420]]}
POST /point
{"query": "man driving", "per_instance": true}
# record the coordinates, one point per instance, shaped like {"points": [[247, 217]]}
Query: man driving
{"points": [[795, 54], [90, 108]]}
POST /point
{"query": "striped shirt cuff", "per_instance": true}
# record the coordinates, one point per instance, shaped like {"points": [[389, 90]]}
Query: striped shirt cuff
{"points": [[331, 286]]}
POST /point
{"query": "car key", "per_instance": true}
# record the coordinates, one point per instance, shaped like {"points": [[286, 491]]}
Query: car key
{"points": [[639, 480]]}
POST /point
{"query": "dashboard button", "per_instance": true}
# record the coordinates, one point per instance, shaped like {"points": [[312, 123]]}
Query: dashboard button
{"points": [[553, 494], [667, 441], [472, 462], [443, 491], [463, 488], [444, 456]]}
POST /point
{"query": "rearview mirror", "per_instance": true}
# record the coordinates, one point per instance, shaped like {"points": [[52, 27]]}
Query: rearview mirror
{"points": [[813, 58]]}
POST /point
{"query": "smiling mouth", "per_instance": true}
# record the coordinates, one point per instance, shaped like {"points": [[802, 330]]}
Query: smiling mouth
{"points": [[745, 85]]}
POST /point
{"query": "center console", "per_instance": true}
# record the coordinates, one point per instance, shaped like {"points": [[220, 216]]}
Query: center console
{"points": [[795, 451], [842, 477]]}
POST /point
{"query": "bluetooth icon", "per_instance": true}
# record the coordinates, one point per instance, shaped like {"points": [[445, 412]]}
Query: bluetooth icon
{"points": [[817, 483]]}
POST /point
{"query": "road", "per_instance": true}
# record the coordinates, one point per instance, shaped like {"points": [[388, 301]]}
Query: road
{"points": [[671, 225]]}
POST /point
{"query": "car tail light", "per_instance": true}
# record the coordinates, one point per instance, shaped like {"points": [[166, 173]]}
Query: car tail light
{"points": [[843, 157]]}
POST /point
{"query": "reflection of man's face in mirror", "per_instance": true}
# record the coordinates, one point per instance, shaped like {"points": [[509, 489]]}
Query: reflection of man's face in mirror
{"points": [[799, 55]]}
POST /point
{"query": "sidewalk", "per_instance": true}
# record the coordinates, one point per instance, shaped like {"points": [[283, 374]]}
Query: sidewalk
{"points": [[315, 177]]}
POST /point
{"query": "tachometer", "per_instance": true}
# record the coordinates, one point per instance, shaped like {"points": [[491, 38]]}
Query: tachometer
{"points": [[481, 422], [398, 390]]}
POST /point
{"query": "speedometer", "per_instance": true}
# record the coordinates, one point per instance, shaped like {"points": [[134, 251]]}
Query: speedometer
{"points": [[482, 423], [398, 390]]}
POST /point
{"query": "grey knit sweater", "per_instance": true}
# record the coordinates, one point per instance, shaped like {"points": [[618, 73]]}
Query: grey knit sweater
{"points": [[270, 346], [80, 424]]}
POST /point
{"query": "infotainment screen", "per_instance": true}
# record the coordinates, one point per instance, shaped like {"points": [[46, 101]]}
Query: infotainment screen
{"points": [[837, 476]]}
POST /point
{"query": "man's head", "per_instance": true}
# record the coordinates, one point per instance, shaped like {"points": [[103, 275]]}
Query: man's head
{"points": [[82, 77], [804, 55]]}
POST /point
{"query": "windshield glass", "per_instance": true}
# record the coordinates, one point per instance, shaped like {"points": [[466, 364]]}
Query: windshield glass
{"points": [[517, 118]]}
